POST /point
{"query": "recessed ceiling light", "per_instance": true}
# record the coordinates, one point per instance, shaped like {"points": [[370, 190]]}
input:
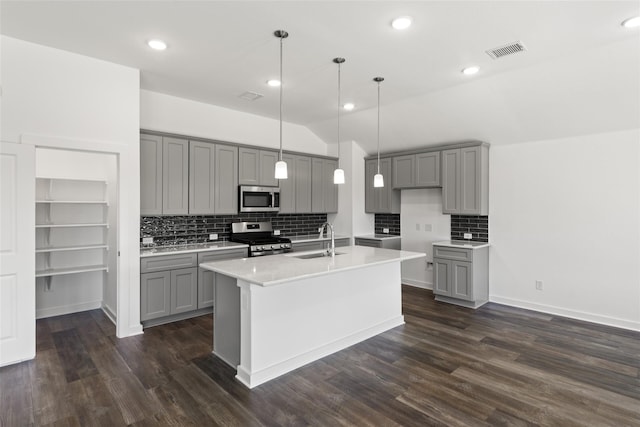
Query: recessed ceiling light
{"points": [[348, 106], [470, 70], [157, 44], [273, 83], [401, 23], [631, 22]]}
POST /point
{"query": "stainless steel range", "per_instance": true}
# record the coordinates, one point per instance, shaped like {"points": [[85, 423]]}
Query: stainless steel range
{"points": [[259, 236]]}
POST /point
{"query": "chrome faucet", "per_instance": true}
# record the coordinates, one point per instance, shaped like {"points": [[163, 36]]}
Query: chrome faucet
{"points": [[332, 249]]}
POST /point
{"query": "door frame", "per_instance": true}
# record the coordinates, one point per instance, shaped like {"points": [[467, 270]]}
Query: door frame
{"points": [[128, 220]]}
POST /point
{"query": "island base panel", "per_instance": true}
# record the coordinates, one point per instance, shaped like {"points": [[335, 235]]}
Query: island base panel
{"points": [[286, 326]]}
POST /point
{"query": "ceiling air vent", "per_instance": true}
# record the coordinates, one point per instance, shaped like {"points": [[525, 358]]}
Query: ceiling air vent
{"points": [[505, 50], [250, 96]]}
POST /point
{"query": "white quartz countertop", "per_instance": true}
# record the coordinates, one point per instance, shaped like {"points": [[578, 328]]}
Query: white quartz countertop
{"points": [[314, 238], [276, 269], [195, 247], [378, 236], [462, 244]]}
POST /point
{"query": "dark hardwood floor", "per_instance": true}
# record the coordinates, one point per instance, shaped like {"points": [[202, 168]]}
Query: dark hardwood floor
{"points": [[447, 365]]}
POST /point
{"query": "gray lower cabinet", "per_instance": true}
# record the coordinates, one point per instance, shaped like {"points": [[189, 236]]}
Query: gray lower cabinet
{"points": [[173, 287], [465, 181], [213, 178], [155, 293], [168, 292], [207, 278], [164, 175], [257, 167], [184, 290], [324, 193], [380, 199], [378, 243], [461, 276]]}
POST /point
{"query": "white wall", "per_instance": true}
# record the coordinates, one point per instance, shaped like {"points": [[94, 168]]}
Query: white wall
{"points": [[422, 223], [351, 220], [167, 113], [567, 212], [53, 98]]}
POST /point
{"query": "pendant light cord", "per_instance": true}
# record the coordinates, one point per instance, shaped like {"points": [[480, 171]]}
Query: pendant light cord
{"points": [[281, 38], [338, 114], [378, 127]]}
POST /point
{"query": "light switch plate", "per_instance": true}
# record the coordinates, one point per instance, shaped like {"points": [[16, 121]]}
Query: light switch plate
{"points": [[385, 230], [213, 236], [147, 240], [276, 232], [468, 236]]}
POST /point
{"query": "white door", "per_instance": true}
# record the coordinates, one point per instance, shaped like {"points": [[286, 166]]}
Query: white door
{"points": [[17, 253]]}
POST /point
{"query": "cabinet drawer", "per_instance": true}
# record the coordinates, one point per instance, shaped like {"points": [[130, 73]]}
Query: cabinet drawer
{"points": [[369, 242], [453, 253], [167, 262], [220, 255]]}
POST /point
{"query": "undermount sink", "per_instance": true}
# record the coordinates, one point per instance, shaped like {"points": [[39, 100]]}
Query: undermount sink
{"points": [[315, 255]]}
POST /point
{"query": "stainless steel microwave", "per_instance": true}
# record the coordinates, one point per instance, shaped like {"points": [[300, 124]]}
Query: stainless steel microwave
{"points": [[259, 199]]}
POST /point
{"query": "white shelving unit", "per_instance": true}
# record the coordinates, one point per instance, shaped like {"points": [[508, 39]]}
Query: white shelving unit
{"points": [[71, 227]]}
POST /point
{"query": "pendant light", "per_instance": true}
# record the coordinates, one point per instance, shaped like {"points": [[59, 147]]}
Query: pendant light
{"points": [[378, 180], [338, 174], [281, 165]]}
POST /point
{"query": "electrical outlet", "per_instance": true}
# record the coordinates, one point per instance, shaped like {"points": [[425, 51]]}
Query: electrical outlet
{"points": [[539, 285], [428, 227], [213, 236], [147, 240], [276, 232], [385, 230], [417, 227], [468, 236]]}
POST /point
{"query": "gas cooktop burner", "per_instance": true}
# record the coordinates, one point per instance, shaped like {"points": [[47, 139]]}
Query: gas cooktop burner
{"points": [[258, 235]]}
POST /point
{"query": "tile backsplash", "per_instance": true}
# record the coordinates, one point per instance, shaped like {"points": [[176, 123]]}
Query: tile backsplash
{"points": [[390, 221], [177, 230], [475, 224]]}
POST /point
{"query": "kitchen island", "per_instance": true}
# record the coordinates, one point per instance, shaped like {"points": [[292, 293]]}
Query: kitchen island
{"points": [[276, 313]]}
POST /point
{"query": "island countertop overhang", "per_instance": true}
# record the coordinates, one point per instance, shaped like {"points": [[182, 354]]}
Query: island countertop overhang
{"points": [[278, 269]]}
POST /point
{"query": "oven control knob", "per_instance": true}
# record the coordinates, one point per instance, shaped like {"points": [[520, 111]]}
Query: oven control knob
{"points": [[257, 248], [283, 246]]}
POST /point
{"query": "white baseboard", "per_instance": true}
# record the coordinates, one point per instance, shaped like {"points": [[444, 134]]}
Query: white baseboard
{"points": [[109, 313], [417, 283], [67, 309], [253, 379], [574, 314]]}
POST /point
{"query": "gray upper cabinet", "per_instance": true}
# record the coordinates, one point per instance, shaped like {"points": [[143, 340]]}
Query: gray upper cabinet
{"points": [[303, 184], [428, 169], [465, 181], [226, 179], [381, 199], [295, 191], [416, 170], [150, 175], [287, 186], [201, 177], [164, 175], [257, 167], [213, 178], [324, 193], [404, 174], [175, 176]]}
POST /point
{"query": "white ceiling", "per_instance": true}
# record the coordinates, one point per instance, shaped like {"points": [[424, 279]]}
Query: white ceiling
{"points": [[580, 74]]}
